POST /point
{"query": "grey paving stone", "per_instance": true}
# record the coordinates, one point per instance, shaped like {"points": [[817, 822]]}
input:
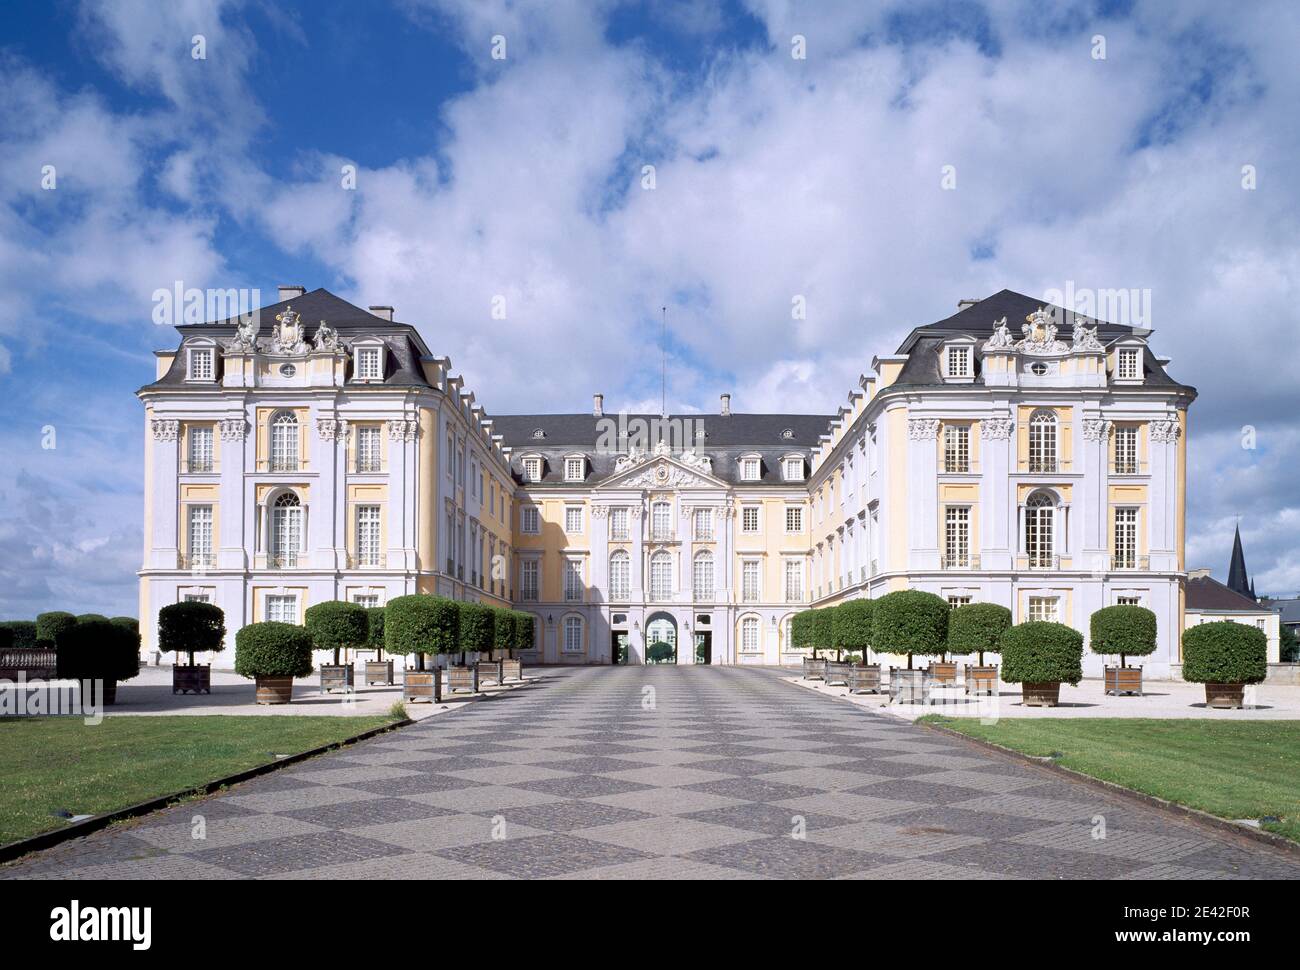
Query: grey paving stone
{"points": [[789, 858], [277, 855], [543, 855]]}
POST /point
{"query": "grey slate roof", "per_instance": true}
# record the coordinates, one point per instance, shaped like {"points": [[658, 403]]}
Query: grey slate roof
{"points": [[1207, 593]]}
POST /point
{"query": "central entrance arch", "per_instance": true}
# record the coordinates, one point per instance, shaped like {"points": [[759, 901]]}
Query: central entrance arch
{"points": [[661, 639]]}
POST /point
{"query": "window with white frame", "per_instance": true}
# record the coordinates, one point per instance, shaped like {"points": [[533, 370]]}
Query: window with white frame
{"points": [[750, 469], [286, 531], [573, 580], [575, 469], [1126, 522], [368, 535], [793, 469], [1040, 519], [200, 448], [959, 362], [202, 366], [528, 573], [1043, 609], [369, 363], [702, 577], [704, 525], [749, 519], [1128, 363], [956, 536], [368, 600], [956, 448], [1126, 449], [1128, 600], [794, 580], [794, 518], [1042, 441], [451, 454], [618, 518], [573, 634], [284, 442], [749, 630], [368, 448], [200, 538], [751, 586], [529, 521], [620, 577], [661, 521], [532, 469], [661, 576], [956, 601], [201, 597], [282, 607], [573, 519]]}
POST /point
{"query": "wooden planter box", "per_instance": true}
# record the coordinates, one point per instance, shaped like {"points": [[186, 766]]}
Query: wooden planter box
{"points": [[195, 679], [1224, 696], [943, 671], [462, 678], [1123, 680], [836, 673], [864, 679], [422, 685], [814, 669], [512, 670], [88, 693], [337, 677], [489, 670], [1046, 694], [379, 672], [981, 680], [909, 686], [274, 690]]}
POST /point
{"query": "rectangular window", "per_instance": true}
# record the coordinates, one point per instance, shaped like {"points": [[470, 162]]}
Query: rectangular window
{"points": [[573, 580], [749, 635], [749, 519], [201, 365], [956, 536], [1043, 609], [751, 580], [451, 455], [528, 572], [1126, 538], [750, 469], [702, 578], [529, 520], [704, 525], [200, 535], [368, 368], [1128, 600], [368, 600], [200, 448], [956, 448], [794, 518], [574, 470], [1126, 450], [573, 519], [532, 469], [794, 581], [793, 469], [661, 522], [368, 448], [620, 577], [956, 601], [618, 523], [959, 362], [368, 535], [573, 634], [1128, 363], [204, 597], [282, 608]]}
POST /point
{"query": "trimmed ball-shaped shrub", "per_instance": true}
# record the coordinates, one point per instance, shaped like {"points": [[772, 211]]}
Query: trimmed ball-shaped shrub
{"points": [[1039, 652], [23, 633], [476, 628], [1225, 653], [337, 625], [273, 649], [97, 650], [423, 625], [659, 652], [912, 622], [191, 627], [977, 628], [50, 625], [1129, 631], [801, 631], [525, 630], [853, 624]]}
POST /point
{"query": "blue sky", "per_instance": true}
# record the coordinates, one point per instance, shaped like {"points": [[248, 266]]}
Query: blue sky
{"points": [[776, 177]]}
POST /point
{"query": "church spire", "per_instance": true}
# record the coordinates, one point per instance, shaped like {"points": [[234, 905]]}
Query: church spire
{"points": [[1237, 581]]}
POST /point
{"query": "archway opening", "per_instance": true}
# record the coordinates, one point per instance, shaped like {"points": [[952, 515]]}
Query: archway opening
{"points": [[661, 639]]}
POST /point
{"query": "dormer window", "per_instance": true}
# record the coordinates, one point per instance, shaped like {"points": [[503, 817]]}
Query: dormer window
{"points": [[575, 469], [369, 364], [532, 469], [539, 433], [202, 364], [1128, 364], [792, 468], [957, 360], [751, 468]]}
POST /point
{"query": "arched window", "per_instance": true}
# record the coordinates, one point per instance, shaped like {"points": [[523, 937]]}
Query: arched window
{"points": [[661, 577], [1042, 441], [286, 531], [702, 578], [620, 577], [573, 639], [749, 630], [1040, 520], [284, 442]]}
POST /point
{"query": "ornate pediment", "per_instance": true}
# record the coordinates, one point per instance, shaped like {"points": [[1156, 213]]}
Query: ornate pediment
{"points": [[683, 471], [1039, 337]]}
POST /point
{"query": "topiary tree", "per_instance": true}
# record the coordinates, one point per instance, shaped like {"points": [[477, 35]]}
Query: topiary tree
{"points": [[191, 627], [525, 630], [503, 630], [659, 652], [476, 628], [854, 625], [421, 624], [1225, 653], [1039, 652], [273, 649], [1129, 631], [823, 630], [912, 622], [88, 617], [49, 625], [977, 627], [375, 630], [96, 650], [336, 625], [801, 631], [23, 633]]}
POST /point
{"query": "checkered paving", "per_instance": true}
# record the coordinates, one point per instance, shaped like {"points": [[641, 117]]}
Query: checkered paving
{"points": [[659, 772]]}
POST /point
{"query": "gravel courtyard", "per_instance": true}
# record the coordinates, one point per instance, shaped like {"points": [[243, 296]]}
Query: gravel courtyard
{"points": [[649, 772]]}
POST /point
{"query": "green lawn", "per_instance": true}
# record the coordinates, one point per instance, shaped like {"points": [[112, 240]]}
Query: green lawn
{"points": [[1233, 769], [61, 763]]}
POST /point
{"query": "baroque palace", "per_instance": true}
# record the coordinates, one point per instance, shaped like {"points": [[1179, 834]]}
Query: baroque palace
{"points": [[1011, 453]]}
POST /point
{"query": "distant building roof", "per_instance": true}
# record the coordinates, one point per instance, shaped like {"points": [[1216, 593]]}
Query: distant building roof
{"points": [[1208, 594]]}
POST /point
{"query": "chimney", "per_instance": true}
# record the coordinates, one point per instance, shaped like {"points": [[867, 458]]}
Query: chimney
{"points": [[290, 292], [963, 304], [383, 312], [1202, 573], [598, 405], [726, 405]]}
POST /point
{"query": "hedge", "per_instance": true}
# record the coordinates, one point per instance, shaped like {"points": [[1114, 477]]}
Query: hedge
{"points": [[1039, 652], [503, 629], [1129, 631], [421, 624], [337, 625], [977, 628], [97, 650], [1225, 653], [525, 630], [853, 625], [823, 629], [912, 622], [801, 631], [476, 632], [375, 630], [6, 638], [50, 625], [191, 627], [23, 633], [273, 649]]}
